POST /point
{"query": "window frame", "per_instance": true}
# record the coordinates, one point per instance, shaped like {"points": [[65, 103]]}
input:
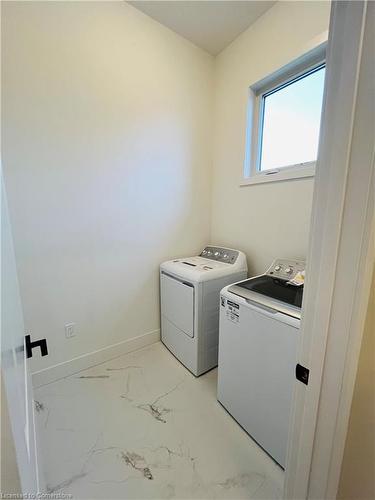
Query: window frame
{"points": [[296, 70]]}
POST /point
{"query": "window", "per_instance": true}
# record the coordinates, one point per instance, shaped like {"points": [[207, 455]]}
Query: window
{"points": [[284, 122], [291, 122]]}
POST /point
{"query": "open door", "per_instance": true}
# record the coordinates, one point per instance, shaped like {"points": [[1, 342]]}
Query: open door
{"points": [[14, 371], [340, 259]]}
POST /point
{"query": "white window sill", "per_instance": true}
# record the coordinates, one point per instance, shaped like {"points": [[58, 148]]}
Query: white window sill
{"points": [[284, 174]]}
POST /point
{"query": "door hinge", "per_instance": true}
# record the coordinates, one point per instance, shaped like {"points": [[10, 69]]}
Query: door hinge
{"points": [[302, 374]]}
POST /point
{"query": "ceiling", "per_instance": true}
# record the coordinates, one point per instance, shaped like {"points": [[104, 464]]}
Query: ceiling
{"points": [[211, 25]]}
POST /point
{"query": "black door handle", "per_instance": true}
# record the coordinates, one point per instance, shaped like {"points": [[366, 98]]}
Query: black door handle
{"points": [[42, 343], [302, 374]]}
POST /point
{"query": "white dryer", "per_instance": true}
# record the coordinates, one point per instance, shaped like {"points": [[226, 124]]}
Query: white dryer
{"points": [[189, 300]]}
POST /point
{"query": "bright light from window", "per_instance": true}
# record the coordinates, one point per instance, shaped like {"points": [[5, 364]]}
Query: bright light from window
{"points": [[291, 122]]}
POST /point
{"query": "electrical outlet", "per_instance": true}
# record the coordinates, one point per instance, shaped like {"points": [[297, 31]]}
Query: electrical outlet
{"points": [[70, 330]]}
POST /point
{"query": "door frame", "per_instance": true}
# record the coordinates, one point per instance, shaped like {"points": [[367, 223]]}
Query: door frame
{"points": [[340, 258]]}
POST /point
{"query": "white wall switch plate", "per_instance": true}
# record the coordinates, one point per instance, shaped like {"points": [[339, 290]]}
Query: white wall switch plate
{"points": [[70, 330]]}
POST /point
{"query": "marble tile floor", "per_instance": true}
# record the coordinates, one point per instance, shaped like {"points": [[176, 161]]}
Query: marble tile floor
{"points": [[142, 427]]}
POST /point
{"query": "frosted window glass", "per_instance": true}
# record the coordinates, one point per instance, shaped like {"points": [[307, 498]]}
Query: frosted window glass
{"points": [[291, 122]]}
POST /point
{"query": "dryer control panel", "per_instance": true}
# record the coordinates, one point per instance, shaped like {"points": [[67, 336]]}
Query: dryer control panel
{"points": [[220, 254], [287, 269]]}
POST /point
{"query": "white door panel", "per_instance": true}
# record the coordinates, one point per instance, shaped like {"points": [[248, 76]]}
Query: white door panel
{"points": [[14, 370]]}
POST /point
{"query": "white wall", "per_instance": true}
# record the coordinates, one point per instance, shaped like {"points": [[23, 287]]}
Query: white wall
{"points": [[107, 130], [265, 220], [107, 159]]}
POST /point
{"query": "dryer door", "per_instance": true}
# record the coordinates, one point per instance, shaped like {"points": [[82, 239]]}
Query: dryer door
{"points": [[177, 303]]}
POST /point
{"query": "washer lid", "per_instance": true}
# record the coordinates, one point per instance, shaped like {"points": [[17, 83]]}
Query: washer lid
{"points": [[272, 292], [275, 288]]}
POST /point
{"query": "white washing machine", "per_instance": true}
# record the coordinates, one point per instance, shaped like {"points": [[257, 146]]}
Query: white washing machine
{"points": [[189, 300], [259, 332]]}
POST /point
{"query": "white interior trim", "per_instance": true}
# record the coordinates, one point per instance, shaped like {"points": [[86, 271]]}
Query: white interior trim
{"points": [[314, 54], [337, 284], [353, 349], [297, 67], [282, 174], [66, 368]]}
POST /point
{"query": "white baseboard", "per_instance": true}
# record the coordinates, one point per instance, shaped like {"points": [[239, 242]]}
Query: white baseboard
{"points": [[62, 370]]}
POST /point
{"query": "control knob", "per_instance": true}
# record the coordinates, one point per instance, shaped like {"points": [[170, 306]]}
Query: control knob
{"points": [[277, 268], [288, 270]]}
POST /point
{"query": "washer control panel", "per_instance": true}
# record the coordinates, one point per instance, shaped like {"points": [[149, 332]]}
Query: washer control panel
{"points": [[220, 254], [286, 269]]}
